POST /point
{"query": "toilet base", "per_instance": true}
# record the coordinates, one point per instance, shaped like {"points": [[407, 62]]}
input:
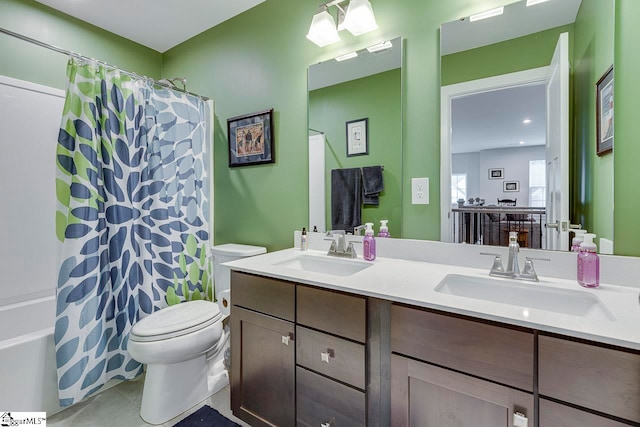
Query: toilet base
{"points": [[171, 389]]}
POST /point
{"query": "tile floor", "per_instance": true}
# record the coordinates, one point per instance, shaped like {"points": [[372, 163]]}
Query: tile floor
{"points": [[120, 406]]}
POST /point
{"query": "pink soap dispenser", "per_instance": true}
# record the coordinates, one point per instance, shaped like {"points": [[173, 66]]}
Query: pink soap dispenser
{"points": [[384, 229], [588, 263], [369, 243]]}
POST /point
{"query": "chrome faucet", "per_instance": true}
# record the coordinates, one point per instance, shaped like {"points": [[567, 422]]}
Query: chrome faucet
{"points": [[513, 269], [359, 229], [338, 245]]}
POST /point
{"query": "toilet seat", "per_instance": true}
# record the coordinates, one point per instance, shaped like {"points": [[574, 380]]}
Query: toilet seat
{"points": [[176, 320]]}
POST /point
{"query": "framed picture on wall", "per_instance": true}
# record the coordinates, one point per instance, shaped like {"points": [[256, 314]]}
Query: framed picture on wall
{"points": [[496, 173], [358, 137], [511, 186], [251, 139], [604, 113]]}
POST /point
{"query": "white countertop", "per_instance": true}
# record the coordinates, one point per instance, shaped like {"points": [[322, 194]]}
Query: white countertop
{"points": [[413, 282]]}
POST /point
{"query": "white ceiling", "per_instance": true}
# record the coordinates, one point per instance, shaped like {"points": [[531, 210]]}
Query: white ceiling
{"points": [[517, 20], [490, 120], [157, 24]]}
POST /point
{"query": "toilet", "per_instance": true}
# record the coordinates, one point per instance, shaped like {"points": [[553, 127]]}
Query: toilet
{"points": [[183, 345]]}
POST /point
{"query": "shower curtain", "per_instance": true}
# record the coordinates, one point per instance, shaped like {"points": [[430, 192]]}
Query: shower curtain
{"points": [[132, 219]]}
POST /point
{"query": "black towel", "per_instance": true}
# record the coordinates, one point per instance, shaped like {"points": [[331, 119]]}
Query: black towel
{"points": [[372, 184], [345, 199]]}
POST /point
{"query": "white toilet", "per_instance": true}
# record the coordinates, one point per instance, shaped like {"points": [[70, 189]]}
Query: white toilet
{"points": [[183, 346]]}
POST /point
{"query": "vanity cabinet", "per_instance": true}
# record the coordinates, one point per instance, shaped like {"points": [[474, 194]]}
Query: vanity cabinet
{"points": [[331, 358], [449, 371], [263, 350], [595, 377]]}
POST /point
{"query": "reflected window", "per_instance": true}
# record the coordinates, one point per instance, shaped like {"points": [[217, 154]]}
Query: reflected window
{"points": [[458, 187], [537, 183]]}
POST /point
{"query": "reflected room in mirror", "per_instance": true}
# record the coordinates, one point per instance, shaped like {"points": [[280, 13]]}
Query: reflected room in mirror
{"points": [[506, 106], [351, 184]]}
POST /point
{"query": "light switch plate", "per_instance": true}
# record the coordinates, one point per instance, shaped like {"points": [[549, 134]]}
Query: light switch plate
{"points": [[420, 191]]}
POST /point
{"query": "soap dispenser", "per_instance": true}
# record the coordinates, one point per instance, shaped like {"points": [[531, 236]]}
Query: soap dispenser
{"points": [[384, 230], [369, 243], [577, 239], [304, 242], [588, 263]]}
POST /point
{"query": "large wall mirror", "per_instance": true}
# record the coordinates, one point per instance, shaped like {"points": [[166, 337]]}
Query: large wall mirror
{"points": [[364, 88], [518, 138]]}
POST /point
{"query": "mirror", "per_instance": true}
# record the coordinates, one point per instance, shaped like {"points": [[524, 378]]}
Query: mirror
{"points": [[367, 86], [497, 156]]}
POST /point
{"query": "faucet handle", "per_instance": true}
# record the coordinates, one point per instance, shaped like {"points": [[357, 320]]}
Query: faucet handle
{"points": [[529, 272], [497, 266]]}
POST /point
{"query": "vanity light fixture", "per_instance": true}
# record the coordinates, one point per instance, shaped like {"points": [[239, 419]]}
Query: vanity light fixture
{"points": [[323, 28], [358, 19], [487, 14], [534, 2], [380, 46], [526, 121], [346, 56]]}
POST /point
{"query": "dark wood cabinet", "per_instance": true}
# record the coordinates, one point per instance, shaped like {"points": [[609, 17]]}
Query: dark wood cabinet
{"points": [[429, 396], [592, 376], [553, 414], [262, 367]]}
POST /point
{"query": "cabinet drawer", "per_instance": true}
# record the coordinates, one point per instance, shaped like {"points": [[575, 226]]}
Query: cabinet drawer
{"points": [[500, 354], [263, 294], [334, 312], [331, 356], [553, 414], [322, 401], [598, 378]]}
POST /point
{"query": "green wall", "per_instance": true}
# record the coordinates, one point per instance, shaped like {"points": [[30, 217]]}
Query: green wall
{"points": [[25, 61], [626, 149], [259, 59], [522, 53], [377, 98], [592, 180]]}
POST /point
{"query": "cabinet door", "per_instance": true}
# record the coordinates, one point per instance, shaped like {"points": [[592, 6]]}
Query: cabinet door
{"points": [[428, 396], [262, 369]]}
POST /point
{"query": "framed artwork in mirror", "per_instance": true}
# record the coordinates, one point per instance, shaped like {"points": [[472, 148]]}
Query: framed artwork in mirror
{"points": [[251, 139], [511, 186], [496, 173], [357, 137], [604, 113]]}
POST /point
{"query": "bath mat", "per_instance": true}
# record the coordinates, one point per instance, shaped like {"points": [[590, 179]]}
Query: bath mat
{"points": [[206, 417]]}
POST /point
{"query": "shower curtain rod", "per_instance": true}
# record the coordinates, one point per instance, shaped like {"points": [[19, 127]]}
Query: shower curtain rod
{"points": [[70, 53]]}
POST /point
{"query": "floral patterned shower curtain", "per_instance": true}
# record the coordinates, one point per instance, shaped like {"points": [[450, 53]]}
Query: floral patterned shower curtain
{"points": [[133, 199]]}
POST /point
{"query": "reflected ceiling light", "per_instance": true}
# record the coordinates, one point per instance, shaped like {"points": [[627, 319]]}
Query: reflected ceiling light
{"points": [[323, 28], [357, 19], [534, 2], [521, 142], [380, 46], [487, 14], [346, 56], [526, 121]]}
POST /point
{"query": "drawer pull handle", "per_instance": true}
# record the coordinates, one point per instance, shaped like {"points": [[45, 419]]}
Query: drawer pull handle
{"points": [[520, 420], [286, 339], [324, 357]]}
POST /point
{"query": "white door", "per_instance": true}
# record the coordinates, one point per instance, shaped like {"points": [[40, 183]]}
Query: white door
{"points": [[557, 148]]}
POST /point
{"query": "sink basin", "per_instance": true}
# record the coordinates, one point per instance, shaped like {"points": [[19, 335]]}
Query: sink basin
{"points": [[512, 292], [325, 265]]}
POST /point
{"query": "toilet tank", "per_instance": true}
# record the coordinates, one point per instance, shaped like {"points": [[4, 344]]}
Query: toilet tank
{"points": [[226, 253]]}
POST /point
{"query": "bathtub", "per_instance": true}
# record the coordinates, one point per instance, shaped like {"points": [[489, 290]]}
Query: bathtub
{"points": [[27, 357]]}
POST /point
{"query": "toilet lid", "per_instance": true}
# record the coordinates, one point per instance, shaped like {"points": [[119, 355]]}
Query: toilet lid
{"points": [[179, 319], [236, 250]]}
